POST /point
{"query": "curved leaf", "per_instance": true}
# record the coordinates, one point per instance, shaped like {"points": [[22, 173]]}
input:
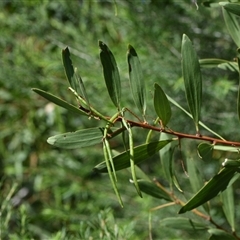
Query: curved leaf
{"points": [[161, 105], [183, 223], [81, 138], [58, 101], [220, 63], [216, 184], [231, 7], [192, 79], [153, 190], [205, 151], [141, 152], [217, 234], [233, 26], [111, 74], [137, 82]]}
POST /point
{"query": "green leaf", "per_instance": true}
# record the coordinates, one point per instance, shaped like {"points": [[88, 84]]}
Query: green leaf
{"points": [[228, 206], [161, 105], [232, 24], [216, 184], [226, 148], [205, 151], [137, 82], [217, 234], [238, 98], [220, 63], [59, 102], [69, 71], [142, 153], [111, 74], [228, 163], [79, 139], [192, 79], [231, 7], [182, 223], [153, 190]]}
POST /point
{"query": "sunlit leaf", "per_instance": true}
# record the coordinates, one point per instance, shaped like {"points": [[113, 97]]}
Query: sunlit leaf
{"points": [[216, 184], [226, 148], [161, 105], [192, 79], [233, 26], [59, 101], [81, 138], [137, 82], [228, 206], [153, 190], [229, 163], [231, 7], [205, 151], [111, 74], [183, 223], [217, 234], [141, 152]]}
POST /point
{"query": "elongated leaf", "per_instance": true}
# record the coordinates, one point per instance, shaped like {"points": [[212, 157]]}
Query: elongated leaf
{"points": [[192, 79], [200, 123], [229, 206], [231, 7], [59, 101], [142, 152], [161, 105], [226, 148], [233, 26], [217, 234], [220, 63], [111, 74], [238, 98], [81, 138], [153, 190], [182, 223], [137, 82], [68, 66], [205, 151], [216, 184], [229, 163]]}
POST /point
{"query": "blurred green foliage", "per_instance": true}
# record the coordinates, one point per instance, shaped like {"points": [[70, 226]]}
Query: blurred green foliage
{"points": [[49, 193]]}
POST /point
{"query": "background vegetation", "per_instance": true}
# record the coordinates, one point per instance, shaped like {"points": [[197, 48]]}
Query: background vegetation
{"points": [[49, 193]]}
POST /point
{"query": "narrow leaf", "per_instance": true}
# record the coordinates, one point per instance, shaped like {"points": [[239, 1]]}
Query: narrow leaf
{"points": [[141, 152], [81, 138], [58, 101], [153, 190], [216, 184], [68, 66], [220, 63], [182, 223], [192, 79], [161, 105], [233, 26], [217, 234], [111, 74], [238, 98], [229, 206], [231, 7], [137, 82], [205, 151]]}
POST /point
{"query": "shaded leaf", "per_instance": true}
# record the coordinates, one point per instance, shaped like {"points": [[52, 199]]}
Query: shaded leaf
{"points": [[231, 7], [69, 71], [217, 234], [232, 24], [216, 184], [111, 74], [81, 138], [161, 105], [59, 102], [205, 151], [228, 163], [228, 206], [220, 63], [238, 98], [142, 153], [192, 79], [153, 190], [182, 223], [137, 82]]}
